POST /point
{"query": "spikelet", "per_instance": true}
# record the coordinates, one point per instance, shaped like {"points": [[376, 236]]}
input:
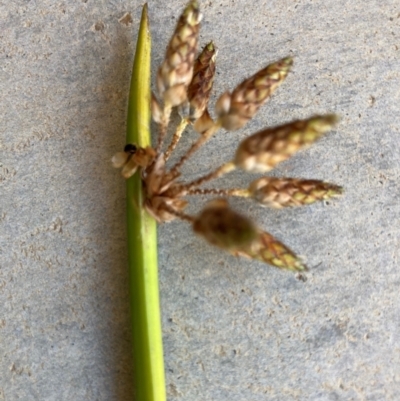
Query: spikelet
{"points": [[176, 72], [223, 227], [200, 87], [284, 192], [226, 229], [235, 109], [262, 151], [268, 249]]}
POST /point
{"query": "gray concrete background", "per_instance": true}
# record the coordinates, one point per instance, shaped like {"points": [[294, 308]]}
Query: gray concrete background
{"points": [[233, 329]]}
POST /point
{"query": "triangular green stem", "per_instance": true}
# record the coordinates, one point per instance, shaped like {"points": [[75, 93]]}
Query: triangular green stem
{"points": [[142, 239]]}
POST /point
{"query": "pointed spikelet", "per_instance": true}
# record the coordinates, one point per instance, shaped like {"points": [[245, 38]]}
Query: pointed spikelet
{"points": [[268, 249], [226, 229], [200, 87], [284, 192], [176, 72], [235, 109], [262, 151]]}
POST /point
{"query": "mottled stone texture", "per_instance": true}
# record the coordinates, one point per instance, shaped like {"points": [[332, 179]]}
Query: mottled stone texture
{"points": [[233, 329]]}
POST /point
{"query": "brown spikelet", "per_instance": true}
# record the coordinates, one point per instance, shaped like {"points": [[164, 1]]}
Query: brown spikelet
{"points": [[224, 228], [284, 192], [241, 105], [268, 249], [262, 151], [199, 90], [176, 72]]}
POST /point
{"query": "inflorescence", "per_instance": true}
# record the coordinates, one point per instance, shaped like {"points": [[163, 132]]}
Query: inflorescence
{"points": [[185, 82]]}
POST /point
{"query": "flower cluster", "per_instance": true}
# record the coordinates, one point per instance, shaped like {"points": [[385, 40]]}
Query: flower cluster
{"points": [[185, 82]]}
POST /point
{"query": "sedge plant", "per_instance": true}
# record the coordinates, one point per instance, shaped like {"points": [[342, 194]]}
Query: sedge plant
{"points": [[157, 192]]}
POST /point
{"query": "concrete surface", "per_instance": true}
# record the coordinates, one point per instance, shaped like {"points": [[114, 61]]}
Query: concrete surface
{"points": [[233, 330]]}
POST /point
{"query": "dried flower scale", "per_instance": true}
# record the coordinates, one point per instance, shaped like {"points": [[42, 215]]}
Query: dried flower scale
{"points": [[185, 82]]}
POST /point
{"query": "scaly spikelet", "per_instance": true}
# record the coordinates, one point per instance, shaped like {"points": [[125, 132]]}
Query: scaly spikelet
{"points": [[262, 151], [200, 87], [235, 109], [284, 192], [268, 249], [176, 72], [226, 229]]}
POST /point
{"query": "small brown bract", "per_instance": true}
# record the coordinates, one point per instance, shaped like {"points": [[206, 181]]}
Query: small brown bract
{"points": [[185, 82]]}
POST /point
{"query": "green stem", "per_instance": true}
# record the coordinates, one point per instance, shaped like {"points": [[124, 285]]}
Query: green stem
{"points": [[142, 239]]}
